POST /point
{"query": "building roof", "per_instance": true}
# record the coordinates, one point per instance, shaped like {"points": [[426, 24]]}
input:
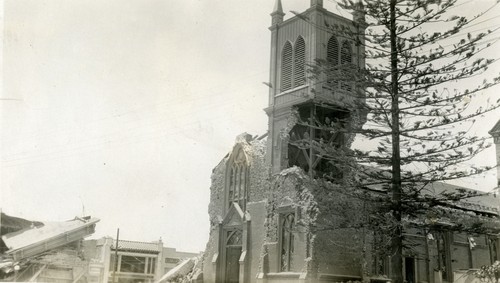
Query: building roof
{"points": [[36, 240], [134, 246], [496, 129], [482, 203]]}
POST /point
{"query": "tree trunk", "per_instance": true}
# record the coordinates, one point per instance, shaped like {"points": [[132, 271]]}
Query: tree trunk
{"points": [[396, 237]]}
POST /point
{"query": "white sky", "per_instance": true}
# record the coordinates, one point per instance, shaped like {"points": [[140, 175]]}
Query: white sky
{"points": [[124, 107]]}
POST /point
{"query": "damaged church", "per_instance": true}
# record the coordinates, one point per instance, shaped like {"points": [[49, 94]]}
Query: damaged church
{"points": [[266, 212]]}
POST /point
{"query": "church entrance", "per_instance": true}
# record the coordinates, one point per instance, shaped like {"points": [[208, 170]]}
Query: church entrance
{"points": [[232, 256]]}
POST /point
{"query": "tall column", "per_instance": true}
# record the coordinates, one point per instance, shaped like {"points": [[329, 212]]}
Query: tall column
{"points": [[277, 19]]}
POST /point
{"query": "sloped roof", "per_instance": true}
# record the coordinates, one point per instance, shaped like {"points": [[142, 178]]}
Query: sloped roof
{"points": [[134, 246], [485, 203], [482, 203], [30, 242], [496, 129], [24, 238]]}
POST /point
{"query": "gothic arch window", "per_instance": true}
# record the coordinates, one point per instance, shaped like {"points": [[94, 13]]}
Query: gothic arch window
{"points": [[332, 51], [299, 62], [237, 179], [293, 64], [287, 227], [346, 53], [346, 59], [286, 67], [332, 57], [234, 238]]}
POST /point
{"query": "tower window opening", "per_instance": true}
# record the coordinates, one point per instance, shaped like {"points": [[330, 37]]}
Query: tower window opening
{"points": [[332, 57], [300, 62], [286, 67], [346, 61], [293, 64], [314, 139]]}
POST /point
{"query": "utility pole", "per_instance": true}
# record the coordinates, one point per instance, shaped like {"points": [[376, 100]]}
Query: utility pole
{"points": [[116, 254]]}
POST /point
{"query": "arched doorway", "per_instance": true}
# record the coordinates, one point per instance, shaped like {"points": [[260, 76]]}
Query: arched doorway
{"points": [[233, 247]]}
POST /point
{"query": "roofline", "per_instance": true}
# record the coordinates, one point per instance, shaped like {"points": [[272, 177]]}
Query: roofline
{"points": [[91, 222], [495, 130]]}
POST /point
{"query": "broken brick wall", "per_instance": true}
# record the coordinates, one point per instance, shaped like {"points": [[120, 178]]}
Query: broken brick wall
{"points": [[289, 193], [257, 186]]}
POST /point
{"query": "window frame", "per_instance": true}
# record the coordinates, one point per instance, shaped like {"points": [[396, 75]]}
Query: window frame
{"points": [[283, 214], [236, 179], [294, 65], [286, 78]]}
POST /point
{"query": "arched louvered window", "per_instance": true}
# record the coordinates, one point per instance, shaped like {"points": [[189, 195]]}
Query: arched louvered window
{"points": [[332, 57], [332, 51], [299, 62], [286, 67], [346, 58], [346, 53]]}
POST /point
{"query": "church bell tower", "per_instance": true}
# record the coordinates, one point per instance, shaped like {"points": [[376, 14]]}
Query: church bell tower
{"points": [[295, 96]]}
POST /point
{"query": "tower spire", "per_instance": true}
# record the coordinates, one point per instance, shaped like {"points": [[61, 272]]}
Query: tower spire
{"points": [[278, 8], [318, 3], [277, 14], [359, 14]]}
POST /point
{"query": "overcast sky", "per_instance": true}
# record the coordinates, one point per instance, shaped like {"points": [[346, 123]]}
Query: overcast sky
{"points": [[120, 109]]}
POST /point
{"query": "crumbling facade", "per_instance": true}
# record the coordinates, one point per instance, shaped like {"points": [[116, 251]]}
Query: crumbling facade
{"points": [[274, 218]]}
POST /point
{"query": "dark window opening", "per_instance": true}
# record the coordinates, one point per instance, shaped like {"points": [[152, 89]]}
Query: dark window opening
{"points": [[346, 60], [314, 139], [410, 270], [132, 264], [287, 241], [332, 57]]}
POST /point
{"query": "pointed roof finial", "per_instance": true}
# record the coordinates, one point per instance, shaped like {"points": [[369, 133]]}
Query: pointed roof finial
{"points": [[277, 14], [278, 8], [359, 14]]}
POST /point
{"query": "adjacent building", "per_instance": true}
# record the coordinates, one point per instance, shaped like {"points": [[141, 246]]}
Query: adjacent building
{"points": [[130, 261]]}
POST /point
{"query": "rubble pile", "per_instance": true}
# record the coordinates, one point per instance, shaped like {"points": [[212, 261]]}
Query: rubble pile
{"points": [[187, 271], [36, 251]]}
